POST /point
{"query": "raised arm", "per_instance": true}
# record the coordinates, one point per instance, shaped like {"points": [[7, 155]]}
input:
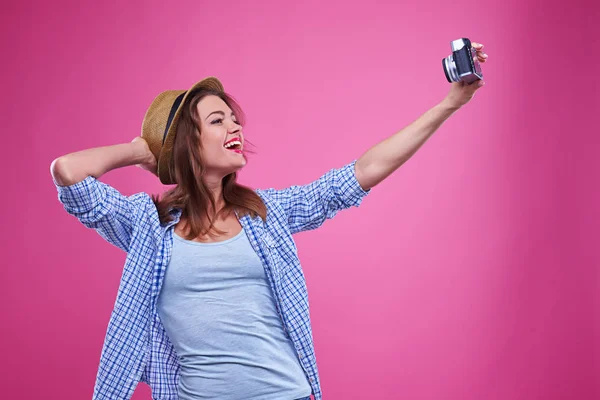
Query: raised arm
{"points": [[75, 167], [98, 205], [388, 155]]}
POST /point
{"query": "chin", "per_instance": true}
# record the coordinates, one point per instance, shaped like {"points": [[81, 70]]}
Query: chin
{"points": [[242, 163], [239, 166]]}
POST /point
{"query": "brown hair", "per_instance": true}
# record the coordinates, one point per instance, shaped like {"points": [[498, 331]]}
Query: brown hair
{"points": [[191, 195]]}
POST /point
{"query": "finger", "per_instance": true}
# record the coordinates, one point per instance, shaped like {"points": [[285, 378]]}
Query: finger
{"points": [[475, 84], [478, 46]]}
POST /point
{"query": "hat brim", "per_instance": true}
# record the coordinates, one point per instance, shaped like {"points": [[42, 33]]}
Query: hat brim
{"points": [[165, 158]]}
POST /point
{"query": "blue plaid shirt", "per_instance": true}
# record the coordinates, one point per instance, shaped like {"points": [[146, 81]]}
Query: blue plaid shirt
{"points": [[136, 347]]}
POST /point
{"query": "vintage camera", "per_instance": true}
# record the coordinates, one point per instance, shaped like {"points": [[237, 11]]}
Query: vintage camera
{"points": [[462, 64]]}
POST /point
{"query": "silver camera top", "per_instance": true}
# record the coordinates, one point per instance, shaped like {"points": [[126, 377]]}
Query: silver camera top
{"points": [[458, 44]]}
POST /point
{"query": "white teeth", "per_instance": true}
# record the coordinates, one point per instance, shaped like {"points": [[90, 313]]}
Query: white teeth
{"points": [[234, 143]]}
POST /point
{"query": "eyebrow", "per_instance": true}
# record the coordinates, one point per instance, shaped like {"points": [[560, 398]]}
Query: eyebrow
{"points": [[218, 112]]}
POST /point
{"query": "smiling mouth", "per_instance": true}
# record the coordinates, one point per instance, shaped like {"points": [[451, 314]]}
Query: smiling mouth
{"points": [[234, 145]]}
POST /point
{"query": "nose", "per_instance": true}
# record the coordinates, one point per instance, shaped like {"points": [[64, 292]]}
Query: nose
{"points": [[233, 127]]}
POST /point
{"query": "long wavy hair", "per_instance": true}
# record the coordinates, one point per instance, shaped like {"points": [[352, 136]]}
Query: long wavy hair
{"points": [[191, 195]]}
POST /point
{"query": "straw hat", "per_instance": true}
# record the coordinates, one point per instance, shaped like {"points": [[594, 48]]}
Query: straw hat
{"points": [[159, 127]]}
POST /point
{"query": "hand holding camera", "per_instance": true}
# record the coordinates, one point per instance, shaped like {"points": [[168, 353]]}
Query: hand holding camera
{"points": [[463, 69]]}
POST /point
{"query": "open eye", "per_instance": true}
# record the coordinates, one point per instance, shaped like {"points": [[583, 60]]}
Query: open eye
{"points": [[217, 121]]}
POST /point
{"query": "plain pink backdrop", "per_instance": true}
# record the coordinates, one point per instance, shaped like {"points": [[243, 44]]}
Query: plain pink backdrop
{"points": [[471, 273]]}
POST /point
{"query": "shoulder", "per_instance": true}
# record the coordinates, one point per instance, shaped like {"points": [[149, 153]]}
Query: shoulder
{"points": [[145, 214], [142, 200], [269, 197], [272, 201]]}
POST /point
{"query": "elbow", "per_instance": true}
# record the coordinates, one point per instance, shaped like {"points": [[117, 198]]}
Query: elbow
{"points": [[364, 175], [60, 172]]}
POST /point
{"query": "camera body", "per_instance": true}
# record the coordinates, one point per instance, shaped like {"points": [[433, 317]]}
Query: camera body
{"points": [[462, 64]]}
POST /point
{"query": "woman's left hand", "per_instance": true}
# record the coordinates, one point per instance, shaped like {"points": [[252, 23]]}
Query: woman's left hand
{"points": [[460, 92]]}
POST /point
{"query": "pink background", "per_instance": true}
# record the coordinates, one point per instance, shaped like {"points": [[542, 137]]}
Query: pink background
{"points": [[471, 273]]}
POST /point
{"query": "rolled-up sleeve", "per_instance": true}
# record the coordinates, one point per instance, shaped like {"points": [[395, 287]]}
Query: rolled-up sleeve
{"points": [[103, 208], [308, 206]]}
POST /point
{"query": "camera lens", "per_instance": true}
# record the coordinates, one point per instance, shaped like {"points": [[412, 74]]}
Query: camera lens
{"points": [[450, 69]]}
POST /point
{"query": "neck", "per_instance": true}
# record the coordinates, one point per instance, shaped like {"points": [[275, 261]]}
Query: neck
{"points": [[215, 187]]}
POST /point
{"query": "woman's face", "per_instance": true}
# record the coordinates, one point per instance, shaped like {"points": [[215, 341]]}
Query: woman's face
{"points": [[221, 137]]}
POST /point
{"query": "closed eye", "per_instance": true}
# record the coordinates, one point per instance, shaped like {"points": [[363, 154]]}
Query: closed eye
{"points": [[220, 121]]}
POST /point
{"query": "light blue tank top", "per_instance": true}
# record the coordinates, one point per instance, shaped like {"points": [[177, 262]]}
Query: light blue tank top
{"points": [[219, 312]]}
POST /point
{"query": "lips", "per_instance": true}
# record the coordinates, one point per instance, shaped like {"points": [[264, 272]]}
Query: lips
{"points": [[234, 145], [232, 140]]}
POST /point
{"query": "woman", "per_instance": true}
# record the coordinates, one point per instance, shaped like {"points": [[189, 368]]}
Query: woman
{"points": [[228, 318]]}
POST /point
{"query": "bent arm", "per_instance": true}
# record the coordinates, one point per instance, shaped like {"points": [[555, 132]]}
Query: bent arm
{"points": [[98, 205], [75, 167]]}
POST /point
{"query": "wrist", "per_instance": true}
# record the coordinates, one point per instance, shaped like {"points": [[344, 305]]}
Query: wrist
{"points": [[448, 106], [140, 153]]}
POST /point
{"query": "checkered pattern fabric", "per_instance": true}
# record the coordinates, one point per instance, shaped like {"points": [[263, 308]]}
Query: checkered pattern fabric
{"points": [[136, 347]]}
